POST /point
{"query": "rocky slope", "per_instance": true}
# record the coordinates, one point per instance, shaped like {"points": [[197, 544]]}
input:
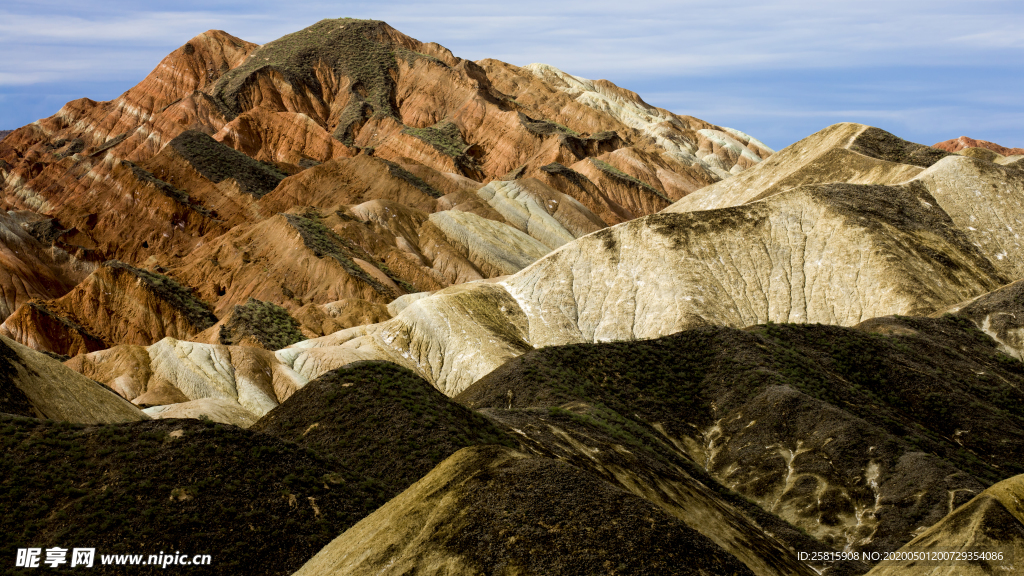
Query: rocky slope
{"points": [[832, 253], [996, 314], [116, 304], [31, 265], [846, 152]]}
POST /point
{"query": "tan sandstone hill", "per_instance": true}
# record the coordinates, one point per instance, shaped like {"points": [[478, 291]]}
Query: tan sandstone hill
{"points": [[992, 522], [845, 152], [36, 385]]}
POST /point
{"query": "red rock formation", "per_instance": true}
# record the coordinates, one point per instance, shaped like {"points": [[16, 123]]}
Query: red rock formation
{"points": [[31, 266], [958, 144], [116, 304]]}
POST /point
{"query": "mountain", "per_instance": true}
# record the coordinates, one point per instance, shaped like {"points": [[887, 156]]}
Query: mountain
{"points": [[4, 133], [866, 431], [962, 143], [663, 273], [345, 161], [830, 252]]}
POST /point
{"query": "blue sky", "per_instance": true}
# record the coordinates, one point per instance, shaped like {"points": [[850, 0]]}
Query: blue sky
{"points": [[925, 70]]}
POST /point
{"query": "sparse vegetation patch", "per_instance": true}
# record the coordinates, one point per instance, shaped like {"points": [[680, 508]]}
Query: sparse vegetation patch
{"points": [[345, 46], [403, 174], [446, 139], [177, 194], [326, 243], [878, 143], [619, 174], [566, 172], [181, 298], [217, 162], [174, 485], [269, 324], [544, 127], [389, 423]]}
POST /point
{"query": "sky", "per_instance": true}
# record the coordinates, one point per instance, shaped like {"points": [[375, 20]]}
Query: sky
{"points": [[925, 70]]}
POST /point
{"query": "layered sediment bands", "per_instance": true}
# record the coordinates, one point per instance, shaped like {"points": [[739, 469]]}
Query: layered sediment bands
{"points": [[833, 254], [804, 256], [495, 249], [480, 507], [224, 135], [783, 259], [545, 214], [286, 137], [348, 181], [992, 522], [271, 261], [33, 384], [70, 165], [116, 304], [30, 265], [594, 106], [845, 152]]}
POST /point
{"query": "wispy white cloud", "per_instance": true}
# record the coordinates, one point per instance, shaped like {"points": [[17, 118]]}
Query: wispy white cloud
{"points": [[643, 43]]}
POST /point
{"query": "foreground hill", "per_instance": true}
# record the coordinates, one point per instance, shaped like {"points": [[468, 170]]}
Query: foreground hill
{"points": [[487, 509], [382, 419], [33, 384], [178, 485], [869, 433]]}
